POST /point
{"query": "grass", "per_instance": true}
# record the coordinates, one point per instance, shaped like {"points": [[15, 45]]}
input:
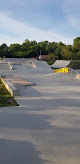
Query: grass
{"points": [[75, 64], [5, 97], [50, 62]]}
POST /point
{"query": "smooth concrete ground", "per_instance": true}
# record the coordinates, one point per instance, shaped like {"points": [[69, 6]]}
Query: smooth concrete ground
{"points": [[45, 128]]}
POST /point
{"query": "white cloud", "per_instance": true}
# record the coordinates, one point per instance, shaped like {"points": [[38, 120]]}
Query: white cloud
{"points": [[9, 40], [16, 31], [72, 12], [75, 22]]}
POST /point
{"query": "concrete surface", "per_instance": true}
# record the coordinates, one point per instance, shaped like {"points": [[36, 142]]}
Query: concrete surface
{"points": [[45, 128], [4, 66], [73, 72], [60, 64]]}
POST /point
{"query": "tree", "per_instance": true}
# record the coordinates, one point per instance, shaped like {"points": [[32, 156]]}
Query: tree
{"points": [[14, 49], [51, 56], [32, 49], [76, 43], [3, 50], [67, 52]]}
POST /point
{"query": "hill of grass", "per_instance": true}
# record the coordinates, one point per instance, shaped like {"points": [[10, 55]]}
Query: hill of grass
{"points": [[75, 64]]}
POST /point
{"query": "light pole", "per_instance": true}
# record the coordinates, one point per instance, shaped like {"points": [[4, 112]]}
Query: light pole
{"points": [[40, 55]]}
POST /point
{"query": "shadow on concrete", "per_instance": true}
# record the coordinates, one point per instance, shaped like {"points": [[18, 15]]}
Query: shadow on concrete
{"points": [[43, 104], [28, 91], [18, 152], [24, 121]]}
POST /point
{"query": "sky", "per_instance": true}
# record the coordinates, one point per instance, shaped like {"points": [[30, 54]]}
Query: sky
{"points": [[40, 20]]}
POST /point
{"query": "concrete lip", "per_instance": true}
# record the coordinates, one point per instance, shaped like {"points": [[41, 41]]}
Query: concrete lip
{"points": [[4, 66], [60, 63]]}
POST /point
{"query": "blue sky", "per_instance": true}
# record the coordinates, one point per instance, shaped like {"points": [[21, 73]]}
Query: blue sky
{"points": [[40, 20]]}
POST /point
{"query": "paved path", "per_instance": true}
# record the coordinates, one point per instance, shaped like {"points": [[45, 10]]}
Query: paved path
{"points": [[45, 128]]}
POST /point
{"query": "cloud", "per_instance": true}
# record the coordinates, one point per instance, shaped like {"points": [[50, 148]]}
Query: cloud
{"points": [[75, 22], [72, 12], [9, 39], [17, 32]]}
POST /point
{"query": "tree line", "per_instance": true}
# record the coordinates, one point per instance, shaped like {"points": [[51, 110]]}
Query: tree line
{"points": [[30, 49]]}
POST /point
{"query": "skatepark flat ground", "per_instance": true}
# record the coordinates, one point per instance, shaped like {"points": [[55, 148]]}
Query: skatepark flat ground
{"points": [[45, 127]]}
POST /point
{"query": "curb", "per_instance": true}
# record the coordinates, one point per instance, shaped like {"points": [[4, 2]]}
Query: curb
{"points": [[11, 66], [74, 72], [34, 65], [10, 87]]}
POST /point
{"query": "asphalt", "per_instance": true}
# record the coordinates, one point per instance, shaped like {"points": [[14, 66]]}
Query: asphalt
{"points": [[45, 128]]}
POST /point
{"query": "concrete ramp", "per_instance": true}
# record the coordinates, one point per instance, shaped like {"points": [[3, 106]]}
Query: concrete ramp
{"points": [[60, 63], [42, 66], [39, 66], [31, 65], [4, 66]]}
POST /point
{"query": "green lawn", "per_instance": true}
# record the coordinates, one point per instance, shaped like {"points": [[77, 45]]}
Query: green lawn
{"points": [[50, 62], [5, 97], [75, 64]]}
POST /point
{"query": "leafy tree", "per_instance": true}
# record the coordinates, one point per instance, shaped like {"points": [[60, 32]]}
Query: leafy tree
{"points": [[3, 50], [52, 49], [67, 52], [78, 55], [76, 43], [51, 56]]}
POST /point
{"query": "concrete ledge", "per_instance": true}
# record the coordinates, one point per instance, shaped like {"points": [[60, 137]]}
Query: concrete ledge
{"points": [[29, 62], [11, 66], [34, 65], [10, 87], [74, 72]]}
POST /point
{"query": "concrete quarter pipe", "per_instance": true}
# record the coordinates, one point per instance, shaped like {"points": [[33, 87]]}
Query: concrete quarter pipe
{"points": [[60, 64]]}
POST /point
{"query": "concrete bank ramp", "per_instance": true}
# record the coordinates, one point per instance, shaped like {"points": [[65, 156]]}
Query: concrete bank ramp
{"points": [[4, 66], [60, 63], [42, 66], [13, 60], [30, 65]]}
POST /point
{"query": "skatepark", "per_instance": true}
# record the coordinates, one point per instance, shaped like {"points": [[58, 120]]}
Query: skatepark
{"points": [[45, 127]]}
